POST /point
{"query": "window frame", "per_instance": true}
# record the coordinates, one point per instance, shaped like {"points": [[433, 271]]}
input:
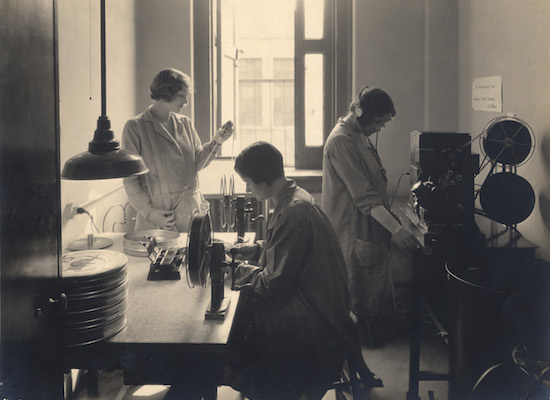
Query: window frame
{"points": [[336, 46]]}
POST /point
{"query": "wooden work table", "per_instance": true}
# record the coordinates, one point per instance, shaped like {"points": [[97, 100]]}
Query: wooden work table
{"points": [[166, 338]]}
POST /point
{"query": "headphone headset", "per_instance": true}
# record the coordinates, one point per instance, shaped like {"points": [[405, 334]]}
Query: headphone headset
{"points": [[358, 110]]}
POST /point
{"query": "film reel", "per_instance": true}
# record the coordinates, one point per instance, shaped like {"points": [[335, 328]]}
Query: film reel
{"points": [[95, 282], [199, 241], [507, 198], [508, 141]]}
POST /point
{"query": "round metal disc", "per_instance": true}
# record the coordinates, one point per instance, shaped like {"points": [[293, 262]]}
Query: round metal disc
{"points": [[92, 285], [72, 339], [198, 256], [82, 243], [508, 141], [92, 302], [85, 264], [77, 317], [96, 285], [131, 242], [507, 198]]}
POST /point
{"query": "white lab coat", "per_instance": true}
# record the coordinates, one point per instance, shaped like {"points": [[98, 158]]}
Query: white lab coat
{"points": [[173, 162], [354, 182]]}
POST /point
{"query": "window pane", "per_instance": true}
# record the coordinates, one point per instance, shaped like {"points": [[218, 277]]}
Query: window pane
{"points": [[250, 91], [314, 13], [283, 92], [261, 34], [283, 68], [314, 90]]}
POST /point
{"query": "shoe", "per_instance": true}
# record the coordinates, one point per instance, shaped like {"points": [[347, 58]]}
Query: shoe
{"points": [[370, 381]]}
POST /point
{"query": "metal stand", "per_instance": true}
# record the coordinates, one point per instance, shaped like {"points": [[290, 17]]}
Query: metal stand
{"points": [[415, 374], [219, 304], [420, 305]]}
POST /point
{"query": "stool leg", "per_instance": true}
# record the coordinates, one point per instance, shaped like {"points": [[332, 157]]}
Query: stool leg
{"points": [[359, 367]]}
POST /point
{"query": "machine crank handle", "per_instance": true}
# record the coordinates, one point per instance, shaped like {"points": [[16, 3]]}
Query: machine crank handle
{"points": [[243, 288], [257, 218], [249, 209]]}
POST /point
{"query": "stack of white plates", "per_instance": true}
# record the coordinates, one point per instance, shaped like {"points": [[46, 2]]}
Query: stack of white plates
{"points": [[96, 285]]}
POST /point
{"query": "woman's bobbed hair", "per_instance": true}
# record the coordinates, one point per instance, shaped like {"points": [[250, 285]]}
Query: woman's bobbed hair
{"points": [[260, 162], [167, 83]]}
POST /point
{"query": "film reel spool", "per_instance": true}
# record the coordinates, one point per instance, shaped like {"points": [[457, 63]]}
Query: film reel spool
{"points": [[199, 240], [95, 282], [508, 141], [507, 198]]}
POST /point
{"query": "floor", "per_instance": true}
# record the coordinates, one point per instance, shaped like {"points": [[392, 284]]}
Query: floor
{"points": [[389, 361]]}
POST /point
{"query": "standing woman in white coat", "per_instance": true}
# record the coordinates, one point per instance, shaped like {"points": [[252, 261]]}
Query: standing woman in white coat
{"points": [[168, 194], [356, 200]]}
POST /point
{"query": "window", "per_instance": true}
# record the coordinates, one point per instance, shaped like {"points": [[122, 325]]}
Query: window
{"points": [[283, 92], [250, 92], [274, 69]]}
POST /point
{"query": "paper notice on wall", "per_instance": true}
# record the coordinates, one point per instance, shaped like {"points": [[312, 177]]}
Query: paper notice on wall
{"points": [[487, 94]]}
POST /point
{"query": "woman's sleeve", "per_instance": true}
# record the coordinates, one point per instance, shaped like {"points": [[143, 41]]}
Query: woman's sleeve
{"points": [[138, 198], [351, 170], [203, 154], [284, 253]]}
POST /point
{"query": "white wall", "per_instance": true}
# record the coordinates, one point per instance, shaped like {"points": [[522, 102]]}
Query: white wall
{"points": [[163, 39], [80, 96], [408, 48], [512, 39]]}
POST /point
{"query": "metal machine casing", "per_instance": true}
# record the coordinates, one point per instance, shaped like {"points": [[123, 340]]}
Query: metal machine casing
{"points": [[442, 169]]}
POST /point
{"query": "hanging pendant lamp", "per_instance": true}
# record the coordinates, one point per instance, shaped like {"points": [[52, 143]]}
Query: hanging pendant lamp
{"points": [[104, 158]]}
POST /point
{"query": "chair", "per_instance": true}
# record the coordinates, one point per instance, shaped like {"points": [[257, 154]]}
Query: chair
{"points": [[355, 377]]}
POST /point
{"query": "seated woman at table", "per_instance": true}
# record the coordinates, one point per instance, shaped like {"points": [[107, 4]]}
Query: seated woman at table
{"points": [[297, 294]]}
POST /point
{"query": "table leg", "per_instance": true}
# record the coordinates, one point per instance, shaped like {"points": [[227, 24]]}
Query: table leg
{"points": [[414, 351]]}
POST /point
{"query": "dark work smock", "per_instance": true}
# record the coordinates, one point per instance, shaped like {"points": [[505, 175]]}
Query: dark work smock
{"points": [[301, 321]]}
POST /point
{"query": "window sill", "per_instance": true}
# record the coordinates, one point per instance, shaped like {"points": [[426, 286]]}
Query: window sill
{"points": [[210, 178], [309, 179]]}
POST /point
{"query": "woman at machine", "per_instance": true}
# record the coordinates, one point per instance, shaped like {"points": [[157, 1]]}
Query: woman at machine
{"points": [[355, 199], [168, 194]]}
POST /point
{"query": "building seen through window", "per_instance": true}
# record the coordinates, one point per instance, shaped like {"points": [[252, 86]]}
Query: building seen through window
{"points": [[278, 70], [257, 73]]}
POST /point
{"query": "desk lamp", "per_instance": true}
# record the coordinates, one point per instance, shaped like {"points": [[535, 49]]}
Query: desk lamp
{"points": [[104, 158]]}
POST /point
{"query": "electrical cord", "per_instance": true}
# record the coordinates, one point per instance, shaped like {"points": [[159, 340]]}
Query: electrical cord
{"points": [[397, 187], [108, 211], [125, 220], [81, 210]]}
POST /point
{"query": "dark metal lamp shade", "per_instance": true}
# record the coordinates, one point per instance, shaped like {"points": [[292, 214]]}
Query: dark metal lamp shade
{"points": [[104, 158]]}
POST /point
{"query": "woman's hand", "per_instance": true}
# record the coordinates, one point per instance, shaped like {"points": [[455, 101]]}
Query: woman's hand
{"points": [[224, 132], [164, 219], [405, 239], [244, 251]]}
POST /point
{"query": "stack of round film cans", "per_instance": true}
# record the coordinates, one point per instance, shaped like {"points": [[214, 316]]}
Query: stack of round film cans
{"points": [[96, 285]]}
